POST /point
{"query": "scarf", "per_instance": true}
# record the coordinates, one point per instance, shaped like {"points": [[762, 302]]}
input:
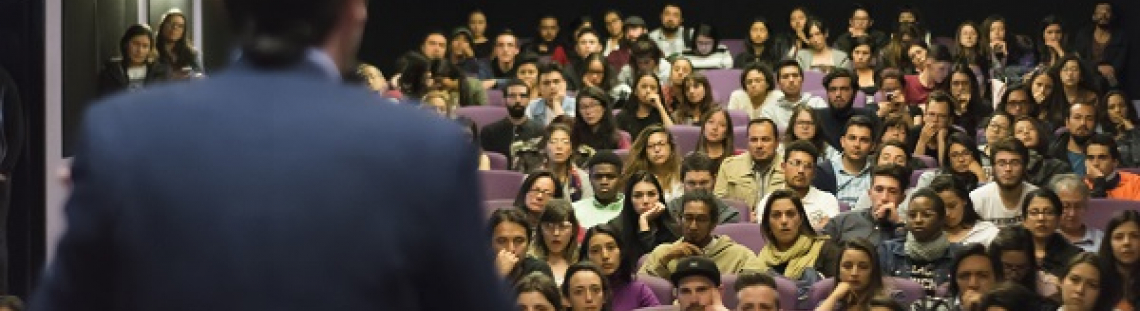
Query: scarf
{"points": [[928, 251], [801, 256]]}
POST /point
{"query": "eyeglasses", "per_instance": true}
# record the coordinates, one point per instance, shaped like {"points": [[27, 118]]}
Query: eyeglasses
{"points": [[662, 144], [555, 228], [1012, 163], [956, 155], [542, 192]]}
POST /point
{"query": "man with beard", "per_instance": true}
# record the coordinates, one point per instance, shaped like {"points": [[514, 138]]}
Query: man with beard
{"points": [[799, 170], [840, 86], [697, 284], [752, 175], [999, 202], [498, 136], [671, 37], [878, 223], [1103, 157], [1104, 43], [697, 175], [1070, 146], [547, 46], [634, 28], [698, 218]]}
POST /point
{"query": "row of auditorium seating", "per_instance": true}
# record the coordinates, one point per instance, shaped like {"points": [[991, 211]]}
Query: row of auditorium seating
{"points": [[790, 297]]}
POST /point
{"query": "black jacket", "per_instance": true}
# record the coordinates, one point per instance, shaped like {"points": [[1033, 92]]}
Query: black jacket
{"points": [[14, 126], [113, 78]]}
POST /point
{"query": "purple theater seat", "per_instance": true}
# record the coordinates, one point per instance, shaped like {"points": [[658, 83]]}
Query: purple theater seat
{"points": [[686, 137], [843, 207], [623, 154], [1130, 170], [492, 205], [748, 234], [930, 161], [739, 118], [495, 98], [728, 291], [661, 288], [916, 174], [860, 100], [500, 184], [723, 82], [740, 136], [813, 80], [903, 290], [734, 46], [789, 293], [1099, 211], [482, 115], [669, 307], [742, 207], [498, 160]]}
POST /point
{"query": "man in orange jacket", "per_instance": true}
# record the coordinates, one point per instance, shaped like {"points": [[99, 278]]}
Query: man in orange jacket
{"points": [[1101, 159]]}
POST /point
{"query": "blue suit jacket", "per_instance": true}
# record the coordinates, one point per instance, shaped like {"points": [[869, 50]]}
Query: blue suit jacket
{"points": [[271, 190]]}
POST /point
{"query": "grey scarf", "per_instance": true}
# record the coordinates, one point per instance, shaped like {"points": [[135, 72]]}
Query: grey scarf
{"points": [[928, 251]]}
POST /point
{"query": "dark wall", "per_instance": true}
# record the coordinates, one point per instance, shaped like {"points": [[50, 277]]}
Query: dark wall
{"points": [[22, 55], [398, 26]]}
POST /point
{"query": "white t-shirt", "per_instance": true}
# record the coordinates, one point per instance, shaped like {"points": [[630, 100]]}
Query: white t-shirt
{"points": [[136, 77], [987, 201], [818, 205]]}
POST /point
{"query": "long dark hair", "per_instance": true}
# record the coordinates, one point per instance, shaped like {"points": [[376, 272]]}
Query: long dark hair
{"points": [[688, 108], [1132, 289], [1036, 124], [1110, 287], [624, 273], [707, 31], [782, 194], [446, 69], [629, 216], [414, 76], [790, 133], [586, 266], [634, 101], [609, 79], [557, 211], [606, 136], [540, 283], [1018, 239], [972, 56], [947, 182], [876, 285], [1105, 122], [947, 168], [132, 32], [184, 53], [769, 55], [727, 142], [520, 199], [1044, 52], [1020, 87], [975, 108]]}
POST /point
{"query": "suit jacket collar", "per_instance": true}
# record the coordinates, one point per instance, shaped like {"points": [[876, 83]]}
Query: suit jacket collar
{"points": [[315, 63]]}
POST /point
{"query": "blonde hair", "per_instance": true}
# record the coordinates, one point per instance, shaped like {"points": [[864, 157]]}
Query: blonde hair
{"points": [[639, 160], [440, 95]]}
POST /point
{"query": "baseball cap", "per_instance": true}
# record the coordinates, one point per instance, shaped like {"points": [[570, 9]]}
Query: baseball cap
{"points": [[634, 21], [698, 266]]}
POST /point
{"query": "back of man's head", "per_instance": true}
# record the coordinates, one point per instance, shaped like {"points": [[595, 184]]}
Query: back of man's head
{"points": [[276, 33]]}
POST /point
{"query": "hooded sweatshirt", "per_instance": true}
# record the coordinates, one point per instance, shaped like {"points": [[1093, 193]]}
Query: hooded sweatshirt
{"points": [[730, 258]]}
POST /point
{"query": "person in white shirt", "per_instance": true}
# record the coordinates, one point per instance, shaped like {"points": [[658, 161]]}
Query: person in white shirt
{"points": [[790, 78], [1000, 201], [758, 87], [1074, 195], [705, 50], [799, 169], [670, 38]]}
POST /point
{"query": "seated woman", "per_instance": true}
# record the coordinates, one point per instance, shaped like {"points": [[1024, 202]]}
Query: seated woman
{"points": [[925, 255], [862, 65], [538, 188], [795, 251], [560, 157], [859, 280], [602, 246], [594, 122], [706, 51], [537, 291], [557, 241], [438, 102], [510, 238], [644, 222], [134, 68], [1120, 121], [695, 101], [805, 125], [1122, 249], [655, 151], [972, 106], [759, 47], [1042, 211], [1088, 284], [465, 91], [819, 56], [645, 108], [974, 274], [716, 137], [1078, 82], [1013, 249], [963, 161], [890, 101], [963, 224], [597, 73], [586, 288], [758, 87], [1039, 169], [679, 68]]}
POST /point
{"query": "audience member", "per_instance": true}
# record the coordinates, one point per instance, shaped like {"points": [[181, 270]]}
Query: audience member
{"points": [[1040, 168], [680, 67], [756, 292], [818, 55], [848, 174], [716, 139], [1101, 161], [799, 170], [500, 135], [602, 246], [696, 100], [646, 108], [794, 250], [461, 52], [615, 32], [925, 255], [790, 79], [963, 161], [547, 44], [594, 125], [1122, 251], [481, 44], [998, 201], [510, 234], [655, 151], [972, 106], [807, 124], [752, 175], [537, 189], [1119, 120], [757, 88], [175, 50], [1009, 296], [929, 138], [697, 176], [860, 278], [972, 274], [135, 67], [963, 225], [1104, 43], [878, 223], [505, 60], [672, 36], [633, 30], [1013, 249], [537, 292], [706, 51], [840, 85], [890, 152], [697, 284], [863, 54], [557, 240], [935, 68], [1052, 251], [586, 288], [552, 101], [698, 218], [859, 25], [1088, 284], [759, 47], [464, 90], [644, 209], [605, 178], [1074, 195]]}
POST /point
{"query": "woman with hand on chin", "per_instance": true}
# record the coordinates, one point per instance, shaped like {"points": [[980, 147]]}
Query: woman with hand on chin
{"points": [[859, 279], [644, 222], [645, 108]]}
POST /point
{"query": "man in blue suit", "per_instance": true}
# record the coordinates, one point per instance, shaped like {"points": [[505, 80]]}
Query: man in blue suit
{"points": [[273, 186]]}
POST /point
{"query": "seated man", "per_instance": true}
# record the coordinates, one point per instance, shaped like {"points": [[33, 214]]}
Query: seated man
{"points": [[697, 222], [756, 173], [790, 81], [605, 177], [890, 152], [552, 101], [1074, 195], [498, 136], [1000, 201], [756, 291], [1103, 157], [878, 223], [510, 235], [697, 284], [848, 174], [697, 175], [799, 168]]}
